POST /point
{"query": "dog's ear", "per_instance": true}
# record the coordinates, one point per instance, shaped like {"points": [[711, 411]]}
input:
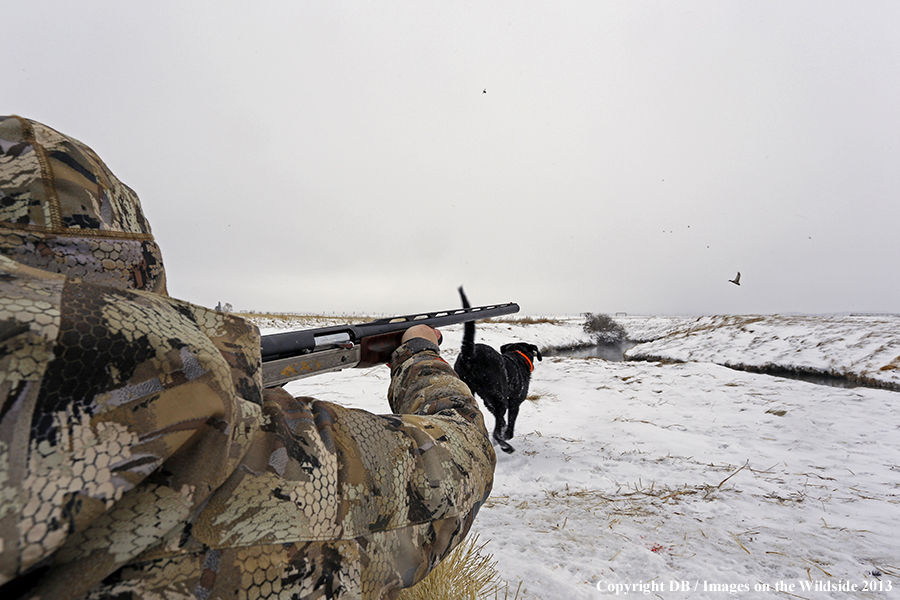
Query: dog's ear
{"points": [[537, 352], [504, 348]]}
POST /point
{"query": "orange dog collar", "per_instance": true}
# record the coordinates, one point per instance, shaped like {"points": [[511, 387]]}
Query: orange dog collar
{"points": [[528, 360]]}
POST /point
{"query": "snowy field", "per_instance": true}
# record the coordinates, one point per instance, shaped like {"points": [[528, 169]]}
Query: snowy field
{"points": [[656, 478]]}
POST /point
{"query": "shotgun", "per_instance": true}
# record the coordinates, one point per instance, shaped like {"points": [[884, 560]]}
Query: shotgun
{"points": [[296, 354]]}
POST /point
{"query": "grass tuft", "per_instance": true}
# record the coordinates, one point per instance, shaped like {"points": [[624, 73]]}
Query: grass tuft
{"points": [[539, 394], [466, 574]]}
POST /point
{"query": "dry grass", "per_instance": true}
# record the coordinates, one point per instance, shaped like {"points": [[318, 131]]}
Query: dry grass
{"points": [[303, 318], [527, 320], [542, 394], [467, 574], [632, 499]]}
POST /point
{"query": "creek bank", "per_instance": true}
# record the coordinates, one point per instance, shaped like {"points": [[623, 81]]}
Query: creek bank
{"points": [[616, 352], [819, 377], [809, 376], [826, 349]]}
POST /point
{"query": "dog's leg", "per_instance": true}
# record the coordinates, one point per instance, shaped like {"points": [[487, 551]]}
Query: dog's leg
{"points": [[499, 429], [504, 445], [510, 427], [514, 402]]}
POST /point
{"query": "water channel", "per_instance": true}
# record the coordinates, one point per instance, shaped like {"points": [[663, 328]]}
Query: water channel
{"points": [[614, 352]]}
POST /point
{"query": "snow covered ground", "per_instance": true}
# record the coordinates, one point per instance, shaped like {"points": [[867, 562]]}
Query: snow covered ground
{"points": [[690, 479], [859, 348]]}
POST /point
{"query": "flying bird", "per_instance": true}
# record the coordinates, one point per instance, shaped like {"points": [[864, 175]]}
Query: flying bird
{"points": [[737, 279], [485, 91]]}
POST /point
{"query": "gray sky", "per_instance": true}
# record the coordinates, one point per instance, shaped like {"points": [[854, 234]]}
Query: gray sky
{"points": [[628, 156]]}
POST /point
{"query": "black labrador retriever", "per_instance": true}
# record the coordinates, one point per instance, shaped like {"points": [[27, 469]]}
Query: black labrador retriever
{"points": [[500, 378]]}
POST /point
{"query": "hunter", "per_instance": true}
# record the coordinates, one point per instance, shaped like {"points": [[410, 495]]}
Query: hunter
{"points": [[140, 456]]}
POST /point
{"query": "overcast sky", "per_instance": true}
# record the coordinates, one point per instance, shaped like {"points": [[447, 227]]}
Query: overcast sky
{"points": [[628, 156]]}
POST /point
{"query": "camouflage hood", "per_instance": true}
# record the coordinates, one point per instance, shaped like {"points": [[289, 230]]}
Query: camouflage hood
{"points": [[62, 210]]}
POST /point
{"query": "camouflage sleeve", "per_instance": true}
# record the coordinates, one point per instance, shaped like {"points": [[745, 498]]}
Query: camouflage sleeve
{"points": [[413, 481], [423, 383], [334, 502]]}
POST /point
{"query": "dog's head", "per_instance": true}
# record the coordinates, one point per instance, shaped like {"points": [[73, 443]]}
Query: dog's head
{"points": [[529, 350]]}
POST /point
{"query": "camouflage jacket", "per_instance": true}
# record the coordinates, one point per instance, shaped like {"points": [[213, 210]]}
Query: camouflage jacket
{"points": [[139, 456], [137, 459]]}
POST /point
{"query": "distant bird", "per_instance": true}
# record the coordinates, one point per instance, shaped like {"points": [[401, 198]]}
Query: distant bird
{"points": [[737, 279], [485, 91]]}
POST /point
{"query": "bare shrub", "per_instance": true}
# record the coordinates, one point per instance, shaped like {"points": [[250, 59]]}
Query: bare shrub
{"points": [[603, 328]]}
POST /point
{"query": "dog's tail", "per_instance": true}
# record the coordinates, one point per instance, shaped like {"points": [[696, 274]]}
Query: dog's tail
{"points": [[468, 343]]}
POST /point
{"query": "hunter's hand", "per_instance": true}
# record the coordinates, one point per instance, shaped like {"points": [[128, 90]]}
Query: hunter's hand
{"points": [[422, 331]]}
